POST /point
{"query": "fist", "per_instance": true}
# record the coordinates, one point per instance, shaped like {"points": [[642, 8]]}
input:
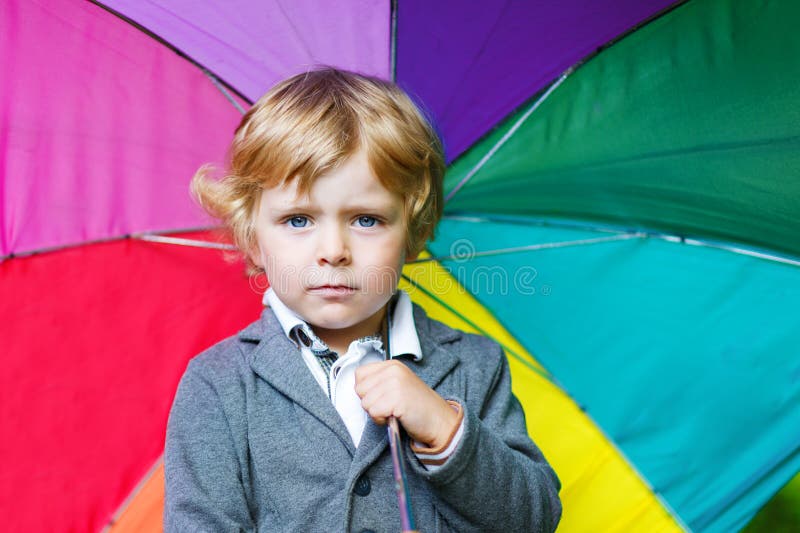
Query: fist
{"points": [[390, 388]]}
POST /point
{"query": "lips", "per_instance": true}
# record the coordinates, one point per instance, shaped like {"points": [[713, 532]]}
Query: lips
{"points": [[332, 290]]}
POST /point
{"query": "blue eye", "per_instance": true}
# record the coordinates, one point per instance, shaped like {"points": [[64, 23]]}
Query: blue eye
{"points": [[366, 221], [298, 222]]}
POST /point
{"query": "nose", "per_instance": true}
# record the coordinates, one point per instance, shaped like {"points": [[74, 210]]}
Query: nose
{"points": [[333, 247]]}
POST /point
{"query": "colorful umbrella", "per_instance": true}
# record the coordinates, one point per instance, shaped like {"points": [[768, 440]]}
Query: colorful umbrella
{"points": [[622, 216]]}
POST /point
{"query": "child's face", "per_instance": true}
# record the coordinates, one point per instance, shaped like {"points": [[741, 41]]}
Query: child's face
{"points": [[334, 256]]}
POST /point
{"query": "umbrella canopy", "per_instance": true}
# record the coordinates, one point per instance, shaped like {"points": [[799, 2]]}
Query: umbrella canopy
{"points": [[622, 206]]}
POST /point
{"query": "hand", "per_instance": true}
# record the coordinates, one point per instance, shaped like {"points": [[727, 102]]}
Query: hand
{"points": [[390, 388]]}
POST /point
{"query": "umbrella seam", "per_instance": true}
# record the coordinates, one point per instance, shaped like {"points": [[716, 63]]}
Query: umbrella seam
{"points": [[543, 373], [499, 144], [169, 45], [612, 442], [393, 39], [530, 247], [196, 243], [704, 520], [114, 519], [680, 239], [57, 248], [540, 371], [575, 66], [228, 96]]}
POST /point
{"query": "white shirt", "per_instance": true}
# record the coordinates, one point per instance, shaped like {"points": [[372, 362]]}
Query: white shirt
{"points": [[403, 340]]}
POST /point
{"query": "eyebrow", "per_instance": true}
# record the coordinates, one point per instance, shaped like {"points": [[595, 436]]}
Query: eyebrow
{"points": [[294, 208], [371, 208], [311, 208]]}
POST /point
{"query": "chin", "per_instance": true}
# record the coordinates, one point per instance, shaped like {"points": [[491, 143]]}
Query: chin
{"points": [[333, 323], [336, 319]]}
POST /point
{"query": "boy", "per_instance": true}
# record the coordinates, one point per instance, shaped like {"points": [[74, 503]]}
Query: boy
{"points": [[335, 182]]}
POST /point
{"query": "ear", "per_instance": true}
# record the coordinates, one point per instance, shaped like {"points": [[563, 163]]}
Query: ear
{"points": [[255, 254], [257, 258]]}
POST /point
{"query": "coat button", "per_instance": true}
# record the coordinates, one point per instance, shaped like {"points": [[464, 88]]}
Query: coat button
{"points": [[363, 486]]}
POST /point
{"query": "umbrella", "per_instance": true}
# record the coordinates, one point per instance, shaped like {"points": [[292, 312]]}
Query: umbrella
{"points": [[621, 214]]}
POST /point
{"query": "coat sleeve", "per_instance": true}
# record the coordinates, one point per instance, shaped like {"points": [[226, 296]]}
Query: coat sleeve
{"points": [[203, 474], [496, 479]]}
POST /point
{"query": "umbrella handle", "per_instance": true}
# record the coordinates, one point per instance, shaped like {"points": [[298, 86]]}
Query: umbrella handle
{"points": [[403, 500], [398, 461]]}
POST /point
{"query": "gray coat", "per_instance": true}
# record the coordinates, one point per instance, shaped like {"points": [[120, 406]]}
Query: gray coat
{"points": [[253, 444]]}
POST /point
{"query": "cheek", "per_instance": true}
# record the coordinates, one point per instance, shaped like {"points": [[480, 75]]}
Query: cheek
{"points": [[386, 264], [388, 251], [274, 252]]}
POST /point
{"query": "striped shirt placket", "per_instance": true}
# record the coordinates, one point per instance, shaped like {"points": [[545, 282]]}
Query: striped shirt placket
{"points": [[323, 354], [326, 359]]}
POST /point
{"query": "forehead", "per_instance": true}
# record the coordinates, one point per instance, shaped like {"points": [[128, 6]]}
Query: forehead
{"points": [[351, 182]]}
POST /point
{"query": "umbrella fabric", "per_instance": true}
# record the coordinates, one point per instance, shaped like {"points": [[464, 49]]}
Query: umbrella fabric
{"points": [[97, 119], [100, 128], [622, 202], [705, 145]]}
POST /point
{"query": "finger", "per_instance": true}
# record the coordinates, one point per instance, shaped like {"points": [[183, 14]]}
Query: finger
{"points": [[369, 369], [380, 404], [369, 383], [382, 366], [386, 386], [383, 377]]}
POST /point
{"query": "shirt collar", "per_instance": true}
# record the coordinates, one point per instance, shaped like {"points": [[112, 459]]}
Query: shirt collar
{"points": [[403, 338]]}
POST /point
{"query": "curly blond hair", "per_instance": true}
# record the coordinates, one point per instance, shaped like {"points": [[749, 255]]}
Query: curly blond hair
{"points": [[306, 126]]}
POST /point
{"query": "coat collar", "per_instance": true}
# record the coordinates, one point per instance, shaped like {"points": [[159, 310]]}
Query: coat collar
{"points": [[277, 360]]}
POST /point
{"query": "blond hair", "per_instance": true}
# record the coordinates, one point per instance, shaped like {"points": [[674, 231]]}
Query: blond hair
{"points": [[310, 123]]}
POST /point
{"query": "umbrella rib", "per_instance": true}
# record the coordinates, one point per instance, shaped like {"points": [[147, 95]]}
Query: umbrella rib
{"points": [[650, 235], [133, 494], [223, 90], [729, 248], [499, 144], [531, 247], [197, 243], [393, 41], [543, 222], [59, 247], [161, 40]]}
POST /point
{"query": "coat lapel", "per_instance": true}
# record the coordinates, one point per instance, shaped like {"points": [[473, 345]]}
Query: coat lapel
{"points": [[437, 360], [278, 361]]}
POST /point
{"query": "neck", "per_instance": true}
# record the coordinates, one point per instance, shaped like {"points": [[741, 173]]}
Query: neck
{"points": [[339, 340]]}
